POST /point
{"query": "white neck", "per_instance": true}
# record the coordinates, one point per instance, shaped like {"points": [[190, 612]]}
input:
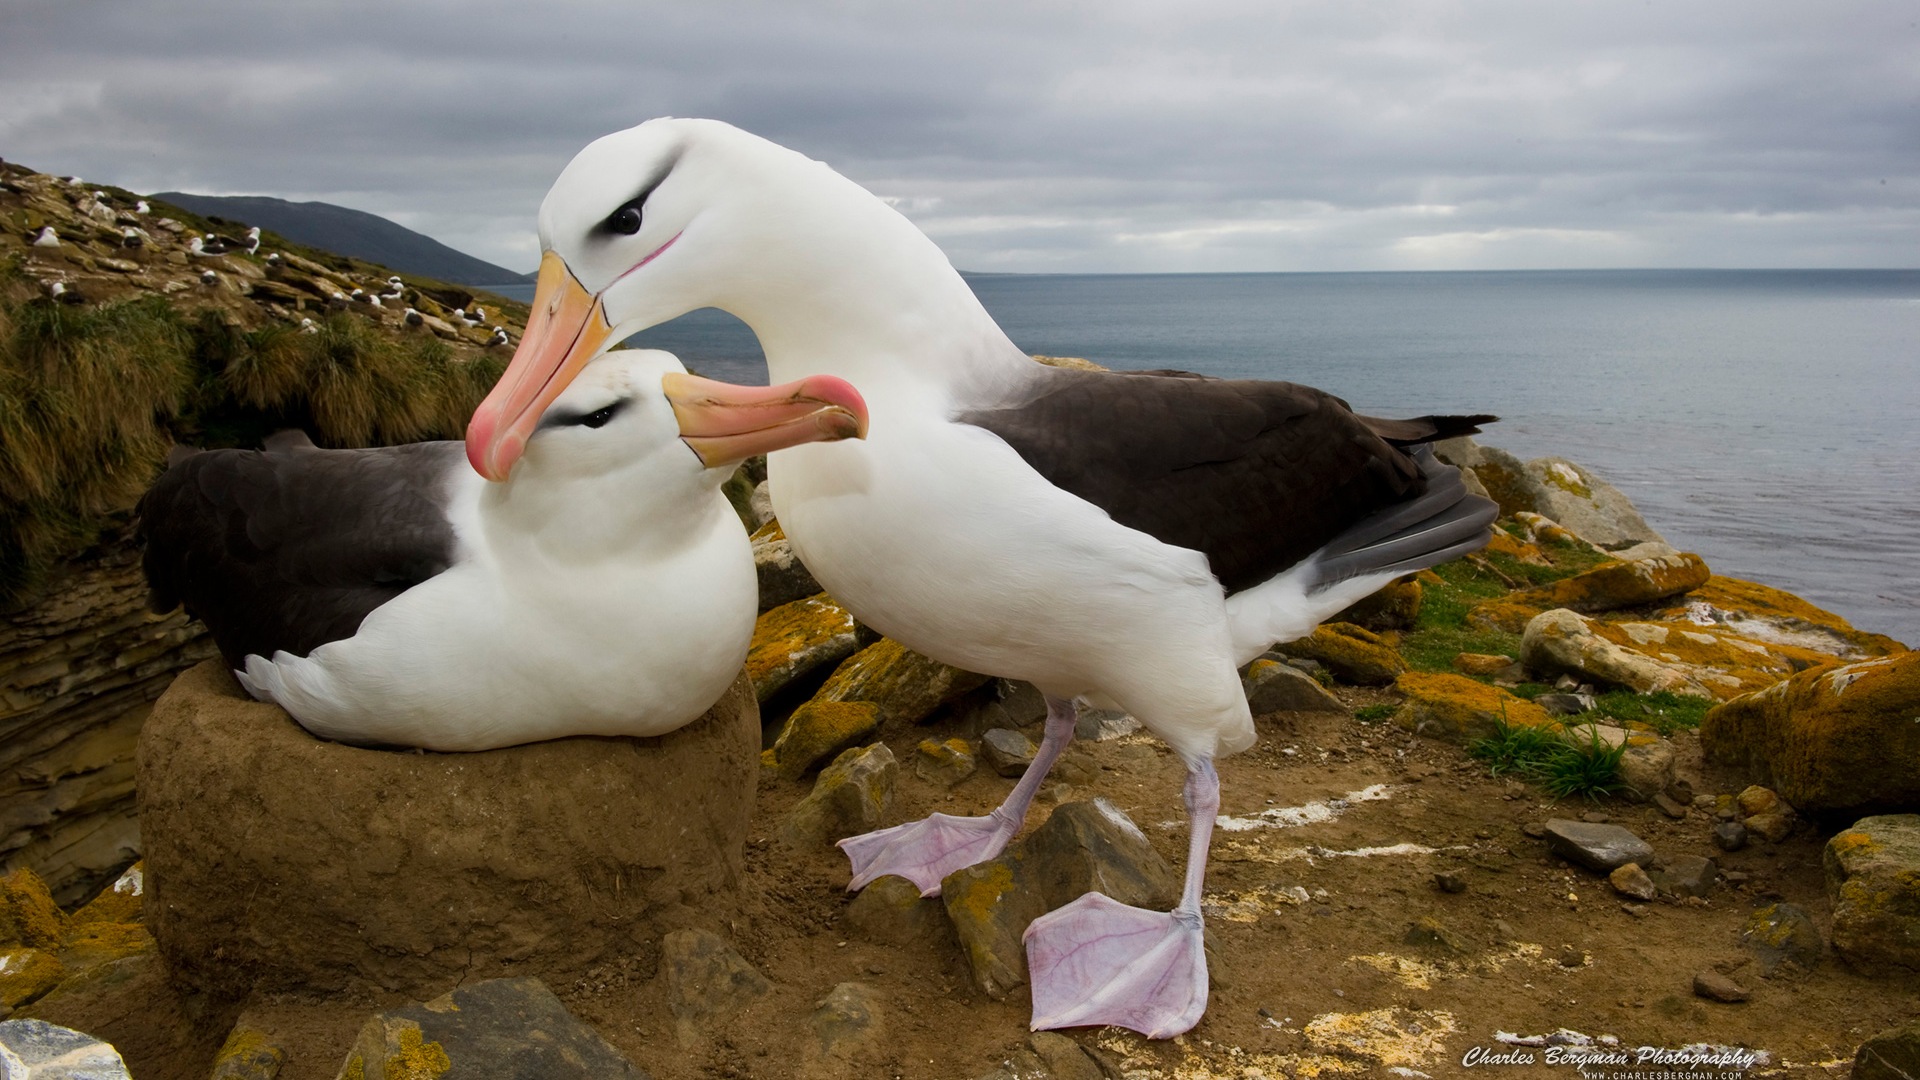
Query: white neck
{"points": [[639, 512]]}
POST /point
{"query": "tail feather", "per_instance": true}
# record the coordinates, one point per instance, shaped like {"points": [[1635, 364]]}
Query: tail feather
{"points": [[1443, 523], [1418, 430]]}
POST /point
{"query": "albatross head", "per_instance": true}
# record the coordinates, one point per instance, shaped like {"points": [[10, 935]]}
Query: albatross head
{"points": [[647, 224]]}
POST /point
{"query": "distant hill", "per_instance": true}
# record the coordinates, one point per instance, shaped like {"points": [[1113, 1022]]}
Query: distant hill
{"points": [[350, 232]]}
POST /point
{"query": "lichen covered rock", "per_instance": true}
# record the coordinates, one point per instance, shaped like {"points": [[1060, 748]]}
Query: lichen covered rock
{"points": [[1564, 641], [26, 973], [1458, 709], [481, 1031], [279, 860], [28, 915], [783, 577], [817, 731], [944, 761], [1839, 740], [1396, 606], [1619, 584], [849, 797], [1873, 880], [904, 684], [1275, 687], [794, 639], [1353, 655]]}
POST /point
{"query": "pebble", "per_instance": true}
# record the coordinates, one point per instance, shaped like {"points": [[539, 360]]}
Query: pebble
{"points": [[1729, 836], [1717, 987], [1598, 847], [1669, 806], [1449, 882], [1631, 881], [1007, 751]]}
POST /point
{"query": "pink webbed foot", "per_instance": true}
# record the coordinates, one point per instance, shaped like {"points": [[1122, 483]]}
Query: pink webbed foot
{"points": [[926, 851], [1099, 961]]}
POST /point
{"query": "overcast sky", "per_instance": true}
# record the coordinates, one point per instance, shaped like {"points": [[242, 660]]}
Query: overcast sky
{"points": [[1093, 136]]}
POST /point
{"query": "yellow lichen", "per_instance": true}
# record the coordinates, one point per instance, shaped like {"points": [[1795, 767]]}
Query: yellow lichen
{"points": [[417, 1059], [1455, 707], [28, 915]]}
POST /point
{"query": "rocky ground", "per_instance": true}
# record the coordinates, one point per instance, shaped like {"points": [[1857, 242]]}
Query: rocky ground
{"points": [[1732, 861]]}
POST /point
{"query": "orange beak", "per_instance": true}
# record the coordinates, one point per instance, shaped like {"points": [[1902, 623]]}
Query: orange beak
{"points": [[724, 423], [566, 328]]}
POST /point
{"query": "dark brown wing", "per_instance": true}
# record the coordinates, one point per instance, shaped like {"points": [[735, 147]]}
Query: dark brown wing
{"points": [[1255, 475], [291, 547]]}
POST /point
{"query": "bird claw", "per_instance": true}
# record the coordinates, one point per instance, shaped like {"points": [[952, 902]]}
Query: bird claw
{"points": [[926, 851], [1098, 961]]}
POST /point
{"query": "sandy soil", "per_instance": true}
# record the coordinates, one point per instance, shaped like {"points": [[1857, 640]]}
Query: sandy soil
{"points": [[1325, 987]]}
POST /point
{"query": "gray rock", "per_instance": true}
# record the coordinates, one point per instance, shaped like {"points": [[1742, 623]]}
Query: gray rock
{"points": [[1447, 881], [1890, 1055], [1274, 687], [1729, 835], [1023, 702], [1007, 751], [849, 797], [498, 1028], [783, 577], [1599, 848], [760, 505], [1687, 875], [1774, 825], [1667, 806], [1560, 640], [1565, 703], [1781, 934], [1632, 882], [708, 983], [37, 1050], [1553, 487], [1714, 986], [1646, 769], [1082, 848], [846, 1022], [1064, 1058], [891, 911], [1873, 880], [1101, 725]]}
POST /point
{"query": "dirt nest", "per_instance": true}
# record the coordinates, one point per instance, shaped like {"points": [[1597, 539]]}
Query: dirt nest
{"points": [[277, 860]]}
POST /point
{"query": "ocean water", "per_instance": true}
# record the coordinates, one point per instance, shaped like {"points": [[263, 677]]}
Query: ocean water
{"points": [[1765, 419]]}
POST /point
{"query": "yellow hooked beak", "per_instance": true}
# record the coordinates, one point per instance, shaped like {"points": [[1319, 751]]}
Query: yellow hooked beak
{"points": [[567, 328]]}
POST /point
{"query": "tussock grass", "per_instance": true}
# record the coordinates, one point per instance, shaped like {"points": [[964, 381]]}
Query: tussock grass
{"points": [[1566, 761], [91, 397]]}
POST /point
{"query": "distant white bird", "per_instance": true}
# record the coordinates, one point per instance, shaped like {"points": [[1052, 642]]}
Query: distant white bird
{"points": [[198, 248], [131, 238], [461, 315], [273, 258], [394, 290], [479, 314], [141, 207], [47, 238], [359, 295], [208, 277], [499, 337], [253, 240], [100, 197], [60, 291], [307, 327], [74, 181], [338, 300], [414, 318]]}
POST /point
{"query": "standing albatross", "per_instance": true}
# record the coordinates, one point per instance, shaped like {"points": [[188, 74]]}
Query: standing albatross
{"points": [[390, 596], [1130, 537]]}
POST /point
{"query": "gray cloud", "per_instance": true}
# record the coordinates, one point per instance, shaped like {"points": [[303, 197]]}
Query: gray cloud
{"points": [[1024, 136]]}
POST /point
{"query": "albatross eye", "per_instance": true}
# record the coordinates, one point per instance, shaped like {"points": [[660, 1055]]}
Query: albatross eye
{"points": [[625, 220], [599, 417]]}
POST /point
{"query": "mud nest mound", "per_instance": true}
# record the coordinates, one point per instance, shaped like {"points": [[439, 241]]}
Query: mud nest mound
{"points": [[276, 860]]}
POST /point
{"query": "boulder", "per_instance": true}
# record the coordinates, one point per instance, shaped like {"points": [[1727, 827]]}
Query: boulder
{"points": [[1600, 848], [1486, 665], [1101, 725], [1275, 687], [279, 860], [28, 915], [819, 730], [845, 1025], [248, 1054], [1353, 655], [1838, 741], [890, 910], [1619, 584], [483, 1031], [1873, 880], [1564, 641], [850, 797], [26, 974], [1555, 488], [783, 577], [794, 639], [1890, 1055], [904, 684], [1646, 767], [1008, 752], [1083, 847], [35, 1049], [1458, 709], [1687, 875]]}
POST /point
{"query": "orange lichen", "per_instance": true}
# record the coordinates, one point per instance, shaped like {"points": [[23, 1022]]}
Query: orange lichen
{"points": [[28, 915], [905, 685], [793, 638], [817, 731], [1353, 654], [1460, 709]]}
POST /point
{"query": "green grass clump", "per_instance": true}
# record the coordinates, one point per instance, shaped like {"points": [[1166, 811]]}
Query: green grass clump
{"points": [[1370, 714], [1564, 762], [1661, 710]]}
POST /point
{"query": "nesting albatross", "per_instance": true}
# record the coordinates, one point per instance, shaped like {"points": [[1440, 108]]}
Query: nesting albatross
{"points": [[391, 596], [1131, 537]]}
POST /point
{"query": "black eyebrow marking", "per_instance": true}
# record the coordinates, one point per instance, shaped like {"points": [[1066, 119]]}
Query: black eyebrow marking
{"points": [[606, 227], [597, 418]]}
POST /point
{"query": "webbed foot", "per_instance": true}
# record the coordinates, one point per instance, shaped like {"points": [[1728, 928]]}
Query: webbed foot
{"points": [[1099, 961], [926, 851]]}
